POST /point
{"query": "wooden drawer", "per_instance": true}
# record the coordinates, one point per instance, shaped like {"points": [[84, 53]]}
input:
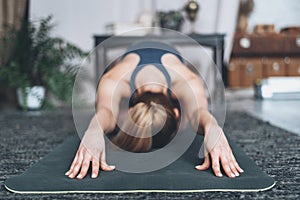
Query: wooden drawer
{"points": [[243, 72], [259, 45], [292, 44], [234, 73], [292, 66], [257, 56], [250, 71], [273, 67]]}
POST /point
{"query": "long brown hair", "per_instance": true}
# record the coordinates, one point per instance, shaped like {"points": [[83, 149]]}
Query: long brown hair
{"points": [[152, 123]]}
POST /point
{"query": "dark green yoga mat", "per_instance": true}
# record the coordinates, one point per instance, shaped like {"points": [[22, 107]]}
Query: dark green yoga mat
{"points": [[47, 176]]}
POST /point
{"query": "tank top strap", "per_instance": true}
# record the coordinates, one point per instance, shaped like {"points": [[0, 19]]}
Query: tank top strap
{"points": [[159, 67]]}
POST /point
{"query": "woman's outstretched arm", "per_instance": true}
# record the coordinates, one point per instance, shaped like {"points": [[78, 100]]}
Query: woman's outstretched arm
{"points": [[217, 150], [91, 151]]}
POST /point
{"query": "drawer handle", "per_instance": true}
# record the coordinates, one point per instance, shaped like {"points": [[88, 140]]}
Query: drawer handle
{"points": [[276, 66], [287, 60], [249, 69], [245, 43], [298, 41], [298, 69]]}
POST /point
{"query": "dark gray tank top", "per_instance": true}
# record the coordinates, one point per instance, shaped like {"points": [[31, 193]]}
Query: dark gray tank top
{"points": [[150, 52]]}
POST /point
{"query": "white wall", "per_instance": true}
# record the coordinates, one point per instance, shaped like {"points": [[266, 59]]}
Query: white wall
{"points": [[281, 13], [79, 20]]}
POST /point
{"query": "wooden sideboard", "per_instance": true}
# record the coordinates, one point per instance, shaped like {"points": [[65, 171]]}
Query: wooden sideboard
{"points": [[257, 56]]}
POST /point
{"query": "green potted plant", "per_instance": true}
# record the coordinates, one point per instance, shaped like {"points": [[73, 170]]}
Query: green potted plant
{"points": [[170, 19], [33, 62]]}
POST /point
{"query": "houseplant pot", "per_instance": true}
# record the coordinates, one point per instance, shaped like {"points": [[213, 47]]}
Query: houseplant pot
{"points": [[31, 98]]}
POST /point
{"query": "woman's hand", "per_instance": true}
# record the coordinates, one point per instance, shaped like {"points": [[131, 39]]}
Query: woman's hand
{"points": [[91, 151], [218, 152]]}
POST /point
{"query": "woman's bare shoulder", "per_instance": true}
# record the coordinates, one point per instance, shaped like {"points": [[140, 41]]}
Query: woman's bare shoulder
{"points": [[109, 85], [123, 69]]}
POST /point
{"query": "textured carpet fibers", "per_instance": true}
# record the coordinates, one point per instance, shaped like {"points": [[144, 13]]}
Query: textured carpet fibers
{"points": [[28, 137]]}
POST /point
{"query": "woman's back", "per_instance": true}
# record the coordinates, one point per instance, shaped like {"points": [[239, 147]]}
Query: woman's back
{"points": [[150, 68]]}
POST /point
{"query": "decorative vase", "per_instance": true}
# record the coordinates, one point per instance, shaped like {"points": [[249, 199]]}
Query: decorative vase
{"points": [[242, 24], [191, 8], [31, 98]]}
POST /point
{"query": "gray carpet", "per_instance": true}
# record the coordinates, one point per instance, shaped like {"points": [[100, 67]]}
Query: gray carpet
{"points": [[27, 137]]}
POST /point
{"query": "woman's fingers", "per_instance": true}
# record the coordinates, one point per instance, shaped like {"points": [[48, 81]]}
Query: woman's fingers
{"points": [[232, 166], [104, 165], [77, 165], [216, 164], [239, 169], [85, 166], [75, 160], [72, 165], [228, 160], [226, 166], [82, 162], [95, 167], [205, 165], [233, 169]]}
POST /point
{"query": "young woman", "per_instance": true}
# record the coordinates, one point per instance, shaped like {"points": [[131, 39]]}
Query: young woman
{"points": [[154, 77]]}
